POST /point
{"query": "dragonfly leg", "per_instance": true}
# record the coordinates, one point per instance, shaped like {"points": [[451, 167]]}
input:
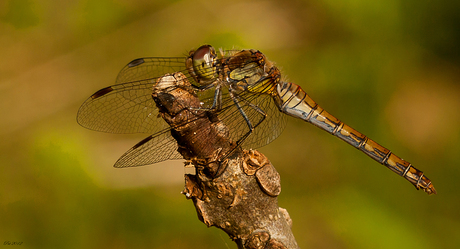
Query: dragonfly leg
{"points": [[217, 102], [236, 99]]}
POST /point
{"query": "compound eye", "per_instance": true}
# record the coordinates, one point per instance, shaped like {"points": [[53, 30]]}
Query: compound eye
{"points": [[204, 62]]}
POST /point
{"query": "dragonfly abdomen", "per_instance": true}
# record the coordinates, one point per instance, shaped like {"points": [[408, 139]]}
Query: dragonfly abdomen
{"points": [[294, 101]]}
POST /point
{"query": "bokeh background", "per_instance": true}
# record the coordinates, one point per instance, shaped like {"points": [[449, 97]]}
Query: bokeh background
{"points": [[388, 68]]}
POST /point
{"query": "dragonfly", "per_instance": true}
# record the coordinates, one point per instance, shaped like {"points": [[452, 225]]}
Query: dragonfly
{"points": [[241, 87]]}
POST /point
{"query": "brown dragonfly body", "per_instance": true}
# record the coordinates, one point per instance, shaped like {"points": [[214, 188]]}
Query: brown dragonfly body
{"points": [[247, 95]]}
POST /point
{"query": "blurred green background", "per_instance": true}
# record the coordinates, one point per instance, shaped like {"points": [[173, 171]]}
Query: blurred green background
{"points": [[388, 68]]}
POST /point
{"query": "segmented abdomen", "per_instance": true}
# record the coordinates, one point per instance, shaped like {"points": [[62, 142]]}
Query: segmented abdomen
{"points": [[294, 101]]}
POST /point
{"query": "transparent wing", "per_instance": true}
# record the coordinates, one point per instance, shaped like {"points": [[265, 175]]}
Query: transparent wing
{"points": [[162, 146], [149, 68], [153, 149], [266, 127], [128, 107]]}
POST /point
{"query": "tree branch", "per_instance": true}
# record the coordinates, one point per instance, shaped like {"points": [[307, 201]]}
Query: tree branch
{"points": [[237, 195]]}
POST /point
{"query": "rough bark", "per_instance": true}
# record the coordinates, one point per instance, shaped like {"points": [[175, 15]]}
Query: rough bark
{"points": [[237, 194]]}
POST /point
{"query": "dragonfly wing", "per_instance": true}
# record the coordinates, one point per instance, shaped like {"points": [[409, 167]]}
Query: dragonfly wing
{"points": [[128, 107], [266, 127], [270, 127], [150, 67], [122, 108], [153, 149]]}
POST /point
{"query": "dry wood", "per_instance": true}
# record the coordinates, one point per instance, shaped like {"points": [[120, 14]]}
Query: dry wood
{"points": [[237, 194]]}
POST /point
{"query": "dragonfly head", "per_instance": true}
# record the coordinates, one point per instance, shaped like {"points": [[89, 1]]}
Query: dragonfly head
{"points": [[201, 64]]}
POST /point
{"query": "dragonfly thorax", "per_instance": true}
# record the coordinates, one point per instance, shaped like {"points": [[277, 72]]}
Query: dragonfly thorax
{"points": [[249, 70]]}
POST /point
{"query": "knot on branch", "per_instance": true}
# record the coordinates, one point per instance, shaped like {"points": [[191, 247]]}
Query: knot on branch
{"points": [[266, 175], [262, 240]]}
